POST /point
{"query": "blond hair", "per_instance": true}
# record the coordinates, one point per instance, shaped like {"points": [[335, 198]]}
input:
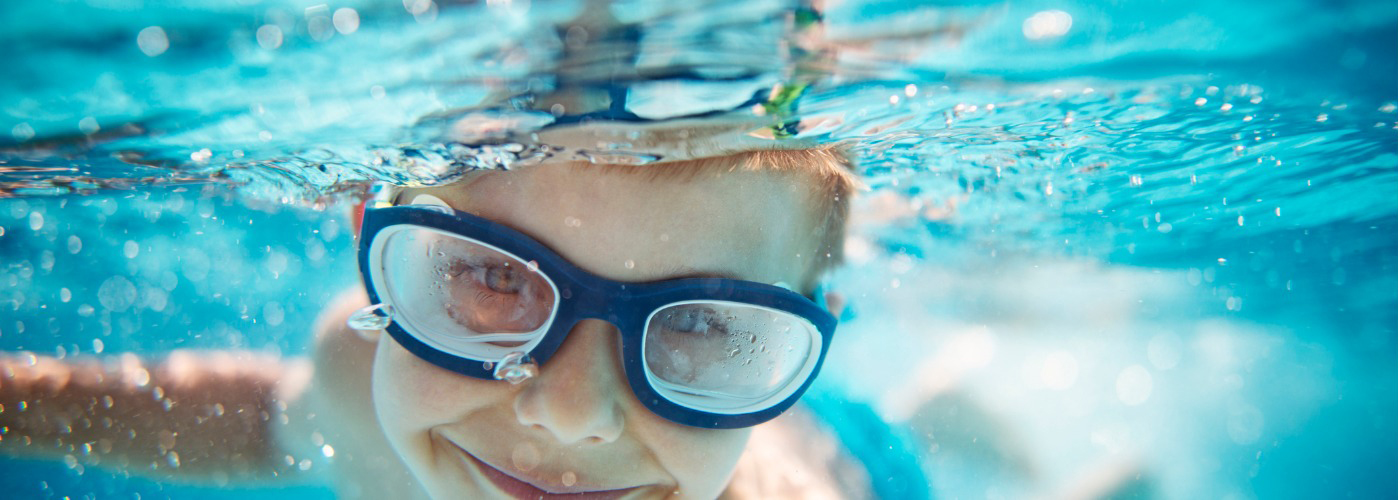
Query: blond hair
{"points": [[827, 169]]}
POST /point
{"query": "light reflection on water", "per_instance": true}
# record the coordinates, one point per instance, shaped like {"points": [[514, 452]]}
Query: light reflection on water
{"points": [[1112, 242]]}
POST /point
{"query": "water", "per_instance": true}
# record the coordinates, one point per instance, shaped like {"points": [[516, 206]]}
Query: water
{"points": [[1126, 239]]}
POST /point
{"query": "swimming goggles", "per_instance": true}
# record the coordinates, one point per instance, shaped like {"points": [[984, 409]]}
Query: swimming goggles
{"points": [[481, 299]]}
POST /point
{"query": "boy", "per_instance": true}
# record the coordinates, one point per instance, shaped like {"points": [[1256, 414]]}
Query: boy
{"points": [[593, 411]]}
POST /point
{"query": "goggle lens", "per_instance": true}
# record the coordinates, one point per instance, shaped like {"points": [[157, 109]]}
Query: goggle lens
{"points": [[455, 292], [727, 356]]}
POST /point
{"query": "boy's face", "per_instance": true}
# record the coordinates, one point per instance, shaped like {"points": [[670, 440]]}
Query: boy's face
{"points": [[577, 427]]}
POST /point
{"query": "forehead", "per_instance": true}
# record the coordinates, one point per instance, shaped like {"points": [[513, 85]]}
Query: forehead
{"points": [[631, 226]]}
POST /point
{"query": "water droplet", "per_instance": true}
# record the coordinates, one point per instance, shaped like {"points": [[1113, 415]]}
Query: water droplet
{"points": [[515, 368], [305, 464], [166, 439], [1047, 24], [525, 457], [21, 132], [140, 377], [371, 318], [107, 401], [117, 294], [629, 264], [269, 36], [569, 479], [218, 409], [328, 451], [97, 345], [173, 459], [152, 41], [346, 20]]}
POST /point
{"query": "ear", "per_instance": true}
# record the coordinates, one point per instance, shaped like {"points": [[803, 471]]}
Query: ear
{"points": [[357, 215]]}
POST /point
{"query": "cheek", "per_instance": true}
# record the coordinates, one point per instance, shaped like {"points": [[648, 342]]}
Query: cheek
{"points": [[701, 460], [411, 396]]}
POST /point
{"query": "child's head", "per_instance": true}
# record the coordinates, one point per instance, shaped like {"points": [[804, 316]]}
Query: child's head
{"points": [[765, 217]]}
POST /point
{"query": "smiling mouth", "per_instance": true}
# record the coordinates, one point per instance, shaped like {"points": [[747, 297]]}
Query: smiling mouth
{"points": [[522, 489]]}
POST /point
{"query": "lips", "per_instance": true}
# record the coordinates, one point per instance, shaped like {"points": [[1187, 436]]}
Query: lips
{"points": [[524, 489]]}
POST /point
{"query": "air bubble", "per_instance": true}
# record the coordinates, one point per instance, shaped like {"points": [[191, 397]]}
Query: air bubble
{"points": [[371, 318], [515, 368]]}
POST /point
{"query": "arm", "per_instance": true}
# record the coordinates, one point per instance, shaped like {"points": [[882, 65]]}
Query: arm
{"points": [[206, 415]]}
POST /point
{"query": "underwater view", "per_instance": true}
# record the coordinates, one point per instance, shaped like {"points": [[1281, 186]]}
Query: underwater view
{"points": [[738, 249]]}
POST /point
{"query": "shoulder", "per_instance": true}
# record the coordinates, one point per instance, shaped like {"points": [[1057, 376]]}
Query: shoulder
{"points": [[333, 337], [342, 358], [341, 408]]}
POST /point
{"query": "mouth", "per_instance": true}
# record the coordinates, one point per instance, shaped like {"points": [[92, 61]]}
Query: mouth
{"points": [[521, 488]]}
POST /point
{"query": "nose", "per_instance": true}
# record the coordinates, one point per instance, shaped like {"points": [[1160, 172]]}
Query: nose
{"points": [[578, 394]]}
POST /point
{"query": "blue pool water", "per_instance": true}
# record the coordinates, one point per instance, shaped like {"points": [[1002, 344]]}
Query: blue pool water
{"points": [[1130, 239]]}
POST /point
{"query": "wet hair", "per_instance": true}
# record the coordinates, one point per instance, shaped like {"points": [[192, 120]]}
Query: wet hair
{"points": [[827, 169]]}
